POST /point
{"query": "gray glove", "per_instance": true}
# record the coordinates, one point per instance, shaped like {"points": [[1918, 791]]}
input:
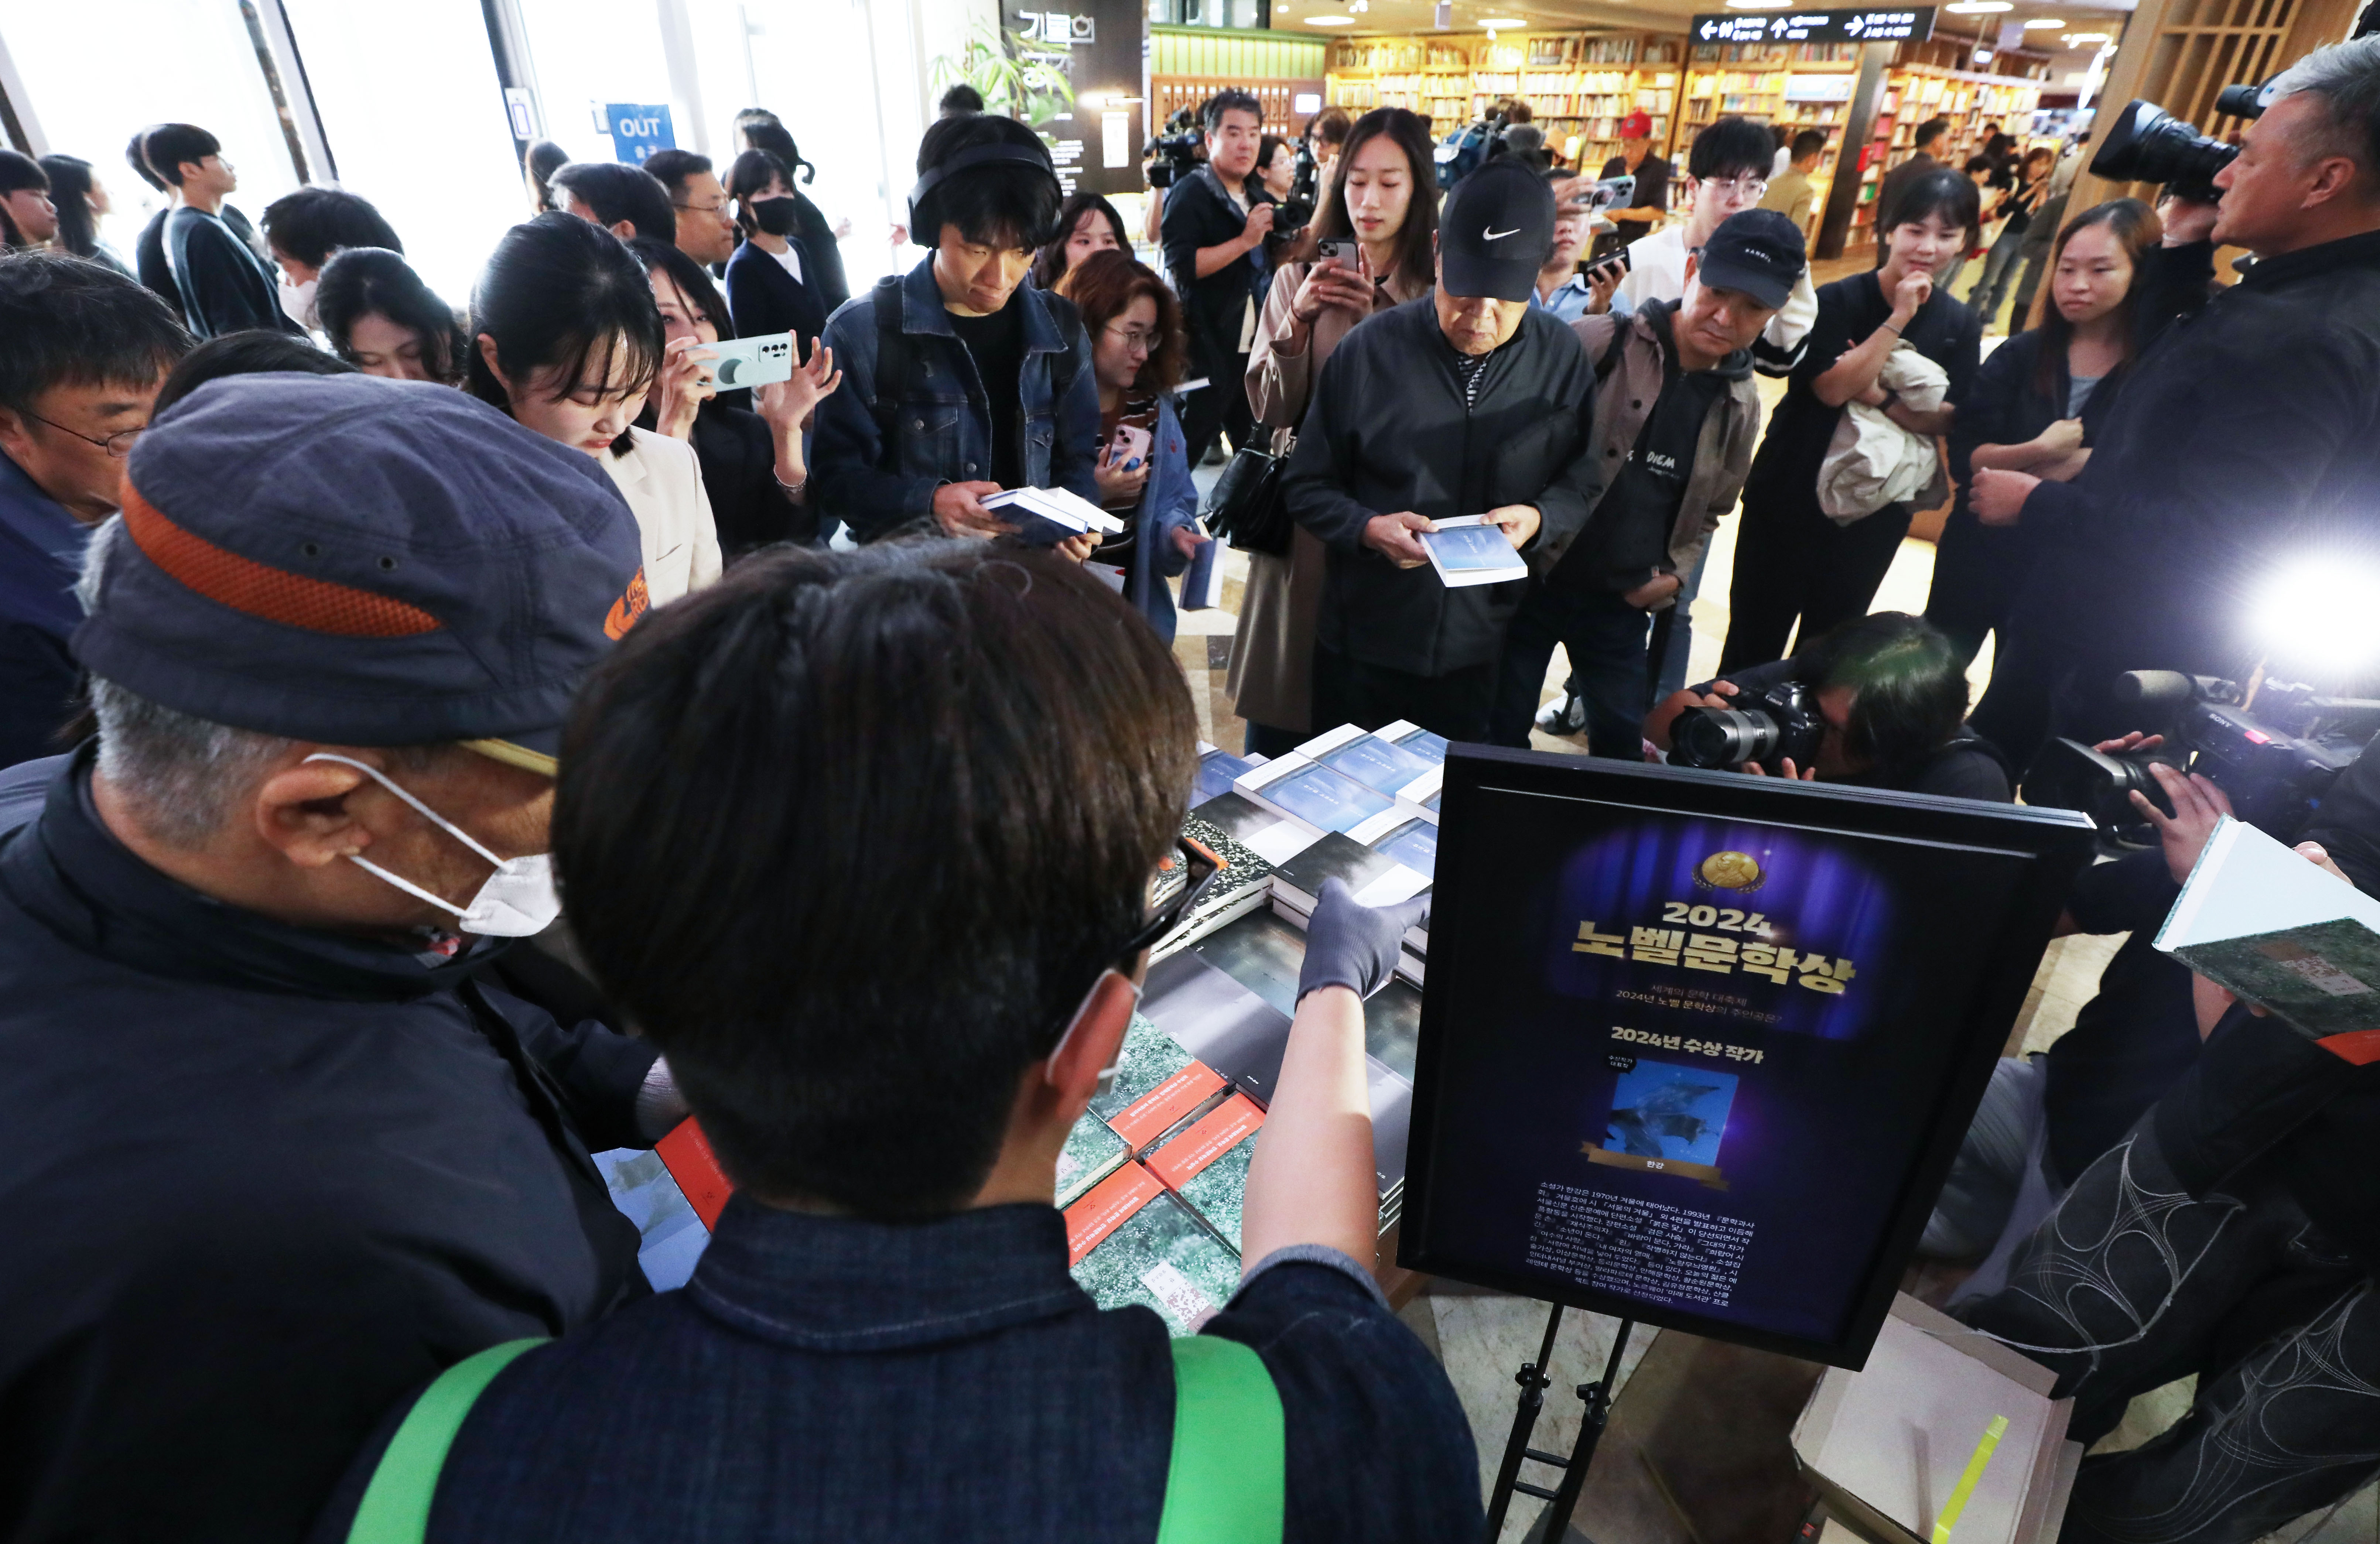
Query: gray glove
{"points": [[1351, 945]]}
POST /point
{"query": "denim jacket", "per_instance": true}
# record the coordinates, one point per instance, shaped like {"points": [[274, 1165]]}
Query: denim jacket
{"points": [[943, 426], [1168, 503]]}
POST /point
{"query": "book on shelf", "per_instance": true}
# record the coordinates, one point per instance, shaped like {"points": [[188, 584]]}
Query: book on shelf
{"points": [[1374, 760], [2278, 931], [1304, 789], [1218, 769]]}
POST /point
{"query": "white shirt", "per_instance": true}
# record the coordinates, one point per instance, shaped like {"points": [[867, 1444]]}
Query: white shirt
{"points": [[663, 482], [1248, 317], [791, 260]]}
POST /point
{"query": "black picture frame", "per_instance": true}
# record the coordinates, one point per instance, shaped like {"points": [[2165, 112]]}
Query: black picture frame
{"points": [[2056, 844]]}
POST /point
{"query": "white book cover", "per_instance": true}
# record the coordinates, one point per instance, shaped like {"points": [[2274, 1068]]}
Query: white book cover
{"points": [[1068, 513], [1469, 549], [2278, 932]]}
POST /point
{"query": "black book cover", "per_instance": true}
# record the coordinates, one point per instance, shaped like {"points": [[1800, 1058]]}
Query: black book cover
{"points": [[1337, 856]]}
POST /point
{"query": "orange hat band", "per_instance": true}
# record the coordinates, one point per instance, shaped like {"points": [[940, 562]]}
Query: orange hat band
{"points": [[256, 589]]}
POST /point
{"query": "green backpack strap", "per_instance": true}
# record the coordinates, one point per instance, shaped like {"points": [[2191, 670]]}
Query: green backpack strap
{"points": [[1225, 1483], [395, 1508]]}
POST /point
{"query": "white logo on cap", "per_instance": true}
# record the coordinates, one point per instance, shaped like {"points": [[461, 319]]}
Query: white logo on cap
{"points": [[1487, 235]]}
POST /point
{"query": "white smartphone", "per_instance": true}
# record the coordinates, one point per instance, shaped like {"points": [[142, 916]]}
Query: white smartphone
{"points": [[751, 361]]}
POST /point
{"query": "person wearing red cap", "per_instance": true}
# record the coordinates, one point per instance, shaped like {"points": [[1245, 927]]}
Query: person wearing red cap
{"points": [[1636, 159]]}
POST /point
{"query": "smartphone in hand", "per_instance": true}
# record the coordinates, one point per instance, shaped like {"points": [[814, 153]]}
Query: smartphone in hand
{"points": [[754, 361], [1131, 446], [1340, 250]]}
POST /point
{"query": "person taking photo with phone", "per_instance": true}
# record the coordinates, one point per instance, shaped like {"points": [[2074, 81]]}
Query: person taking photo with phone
{"points": [[1562, 288], [1378, 216], [1214, 225]]}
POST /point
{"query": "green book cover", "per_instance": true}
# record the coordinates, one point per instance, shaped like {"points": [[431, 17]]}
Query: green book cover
{"points": [[2323, 978], [1217, 1192], [1162, 1258], [1092, 1152], [2258, 920], [1149, 1057]]}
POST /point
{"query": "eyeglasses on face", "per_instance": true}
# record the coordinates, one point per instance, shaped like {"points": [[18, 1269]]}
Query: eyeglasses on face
{"points": [[1745, 190], [1183, 878], [1133, 337], [719, 208], [118, 445]]}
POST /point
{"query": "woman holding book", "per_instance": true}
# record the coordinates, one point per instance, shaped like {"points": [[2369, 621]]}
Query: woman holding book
{"points": [[1382, 195], [1134, 325]]}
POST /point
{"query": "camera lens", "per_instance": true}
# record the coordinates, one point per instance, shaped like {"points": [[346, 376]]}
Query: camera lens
{"points": [[1722, 737], [2148, 144]]}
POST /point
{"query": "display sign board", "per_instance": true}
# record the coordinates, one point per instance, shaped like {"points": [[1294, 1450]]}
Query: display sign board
{"points": [[637, 129], [1698, 1048], [1915, 24], [1097, 146]]}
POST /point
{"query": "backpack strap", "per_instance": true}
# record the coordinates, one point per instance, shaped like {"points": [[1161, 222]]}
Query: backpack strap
{"points": [[1225, 1484], [395, 1508], [892, 363], [1620, 325]]}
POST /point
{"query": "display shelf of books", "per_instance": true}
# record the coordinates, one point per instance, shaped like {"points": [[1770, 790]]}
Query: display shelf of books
{"points": [[1796, 86], [1187, 65], [1579, 85], [1922, 88]]}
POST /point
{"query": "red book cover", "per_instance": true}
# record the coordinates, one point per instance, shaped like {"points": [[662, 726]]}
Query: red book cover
{"points": [[1216, 1134], [697, 1172], [1105, 1206], [1153, 1113]]}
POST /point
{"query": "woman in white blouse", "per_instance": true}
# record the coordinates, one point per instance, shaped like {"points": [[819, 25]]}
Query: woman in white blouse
{"points": [[568, 342]]}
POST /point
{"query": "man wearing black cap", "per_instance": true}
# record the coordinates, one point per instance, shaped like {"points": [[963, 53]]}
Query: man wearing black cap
{"points": [[279, 1157], [1467, 401], [1677, 418]]}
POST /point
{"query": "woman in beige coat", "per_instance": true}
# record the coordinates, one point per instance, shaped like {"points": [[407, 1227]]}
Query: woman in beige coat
{"points": [[1383, 195]]}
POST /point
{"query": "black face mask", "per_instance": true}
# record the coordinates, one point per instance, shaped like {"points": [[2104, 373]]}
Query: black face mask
{"points": [[779, 216]]}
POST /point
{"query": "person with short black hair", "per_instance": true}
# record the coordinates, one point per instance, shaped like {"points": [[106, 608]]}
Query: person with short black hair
{"points": [[1793, 560], [762, 130], [1789, 192], [1087, 224], [770, 280], [1893, 696], [2028, 186], [706, 230], [250, 353], [567, 339], [961, 379], [1932, 141], [626, 200], [302, 229], [87, 348], [1325, 134], [81, 200], [381, 318], [1561, 287], [959, 101], [28, 217], [886, 1295], [222, 282], [538, 163], [1467, 402], [1215, 223], [754, 467]]}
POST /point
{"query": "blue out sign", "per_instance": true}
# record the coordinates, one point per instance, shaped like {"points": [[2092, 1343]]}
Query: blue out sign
{"points": [[637, 129]]}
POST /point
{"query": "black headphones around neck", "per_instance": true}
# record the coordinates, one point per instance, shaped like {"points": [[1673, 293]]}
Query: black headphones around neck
{"points": [[925, 209]]}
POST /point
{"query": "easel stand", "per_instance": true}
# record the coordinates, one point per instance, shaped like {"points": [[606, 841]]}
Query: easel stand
{"points": [[1563, 1498]]}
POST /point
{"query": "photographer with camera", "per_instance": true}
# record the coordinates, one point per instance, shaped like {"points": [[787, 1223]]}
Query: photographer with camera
{"points": [[1214, 225], [1676, 415], [2236, 437], [1880, 702]]}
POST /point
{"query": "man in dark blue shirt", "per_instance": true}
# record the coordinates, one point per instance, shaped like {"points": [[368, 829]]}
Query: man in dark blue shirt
{"points": [[86, 350], [889, 956]]}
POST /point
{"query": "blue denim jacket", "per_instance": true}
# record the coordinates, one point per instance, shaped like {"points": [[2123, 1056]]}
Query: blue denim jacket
{"points": [[1169, 501], [833, 1378], [943, 428]]}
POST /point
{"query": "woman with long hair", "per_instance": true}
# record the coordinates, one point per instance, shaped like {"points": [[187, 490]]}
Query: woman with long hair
{"points": [[1382, 195], [754, 463], [1135, 325], [381, 318], [567, 339], [1087, 224], [83, 203], [772, 280], [538, 163], [1794, 564]]}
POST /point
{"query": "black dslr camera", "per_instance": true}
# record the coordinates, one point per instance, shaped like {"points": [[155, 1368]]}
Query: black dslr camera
{"points": [[2146, 144], [1173, 154], [2274, 763], [1781, 723]]}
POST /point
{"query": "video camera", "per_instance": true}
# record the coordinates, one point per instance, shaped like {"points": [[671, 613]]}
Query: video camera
{"points": [[1173, 154], [1467, 149], [1781, 723], [2274, 763], [2149, 144]]}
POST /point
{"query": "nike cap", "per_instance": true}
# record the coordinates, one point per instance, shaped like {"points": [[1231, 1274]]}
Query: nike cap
{"points": [[1496, 231], [353, 561], [1759, 251]]}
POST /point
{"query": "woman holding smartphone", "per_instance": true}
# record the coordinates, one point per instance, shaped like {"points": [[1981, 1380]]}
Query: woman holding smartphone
{"points": [[1369, 247], [1135, 325]]}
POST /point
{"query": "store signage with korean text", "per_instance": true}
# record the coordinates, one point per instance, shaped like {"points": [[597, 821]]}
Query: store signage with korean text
{"points": [[1862, 26]]}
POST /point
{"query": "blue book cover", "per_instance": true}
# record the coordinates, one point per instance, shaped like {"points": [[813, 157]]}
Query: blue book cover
{"points": [[1329, 799], [1217, 770], [1415, 845], [1376, 763], [1422, 743]]}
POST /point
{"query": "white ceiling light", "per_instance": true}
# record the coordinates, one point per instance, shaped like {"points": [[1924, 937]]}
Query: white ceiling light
{"points": [[2037, 23], [1979, 8], [1759, 5], [1331, 21], [1507, 21], [2074, 40]]}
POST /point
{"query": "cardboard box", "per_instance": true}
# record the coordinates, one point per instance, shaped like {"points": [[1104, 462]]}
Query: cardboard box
{"points": [[1886, 1445]]}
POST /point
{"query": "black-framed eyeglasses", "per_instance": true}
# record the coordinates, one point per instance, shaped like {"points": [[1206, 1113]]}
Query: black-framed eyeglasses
{"points": [[118, 445], [1183, 878]]}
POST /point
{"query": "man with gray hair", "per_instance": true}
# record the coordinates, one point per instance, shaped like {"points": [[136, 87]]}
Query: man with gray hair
{"points": [[2244, 438], [281, 1152]]}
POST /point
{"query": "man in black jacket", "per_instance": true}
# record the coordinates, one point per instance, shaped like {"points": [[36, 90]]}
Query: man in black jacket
{"points": [[222, 282], [281, 1155], [1216, 221], [2245, 437], [1467, 402]]}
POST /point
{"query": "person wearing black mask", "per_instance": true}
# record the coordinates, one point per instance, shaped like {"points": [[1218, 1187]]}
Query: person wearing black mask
{"points": [[771, 281], [762, 130]]}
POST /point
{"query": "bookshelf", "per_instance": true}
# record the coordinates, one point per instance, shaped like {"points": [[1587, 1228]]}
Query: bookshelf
{"points": [[1925, 84], [1795, 86], [1187, 65], [1579, 85]]}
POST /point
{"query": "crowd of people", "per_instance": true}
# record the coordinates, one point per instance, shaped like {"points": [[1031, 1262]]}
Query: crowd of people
{"points": [[442, 744]]}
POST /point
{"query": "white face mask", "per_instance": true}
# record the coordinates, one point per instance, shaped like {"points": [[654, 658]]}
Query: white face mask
{"points": [[518, 900], [298, 300]]}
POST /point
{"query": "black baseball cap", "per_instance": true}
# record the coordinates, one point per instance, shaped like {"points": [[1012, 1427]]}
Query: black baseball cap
{"points": [[1496, 232], [356, 560], [1759, 251]]}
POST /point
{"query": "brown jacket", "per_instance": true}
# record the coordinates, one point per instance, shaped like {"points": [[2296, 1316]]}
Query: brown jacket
{"points": [[1631, 383]]}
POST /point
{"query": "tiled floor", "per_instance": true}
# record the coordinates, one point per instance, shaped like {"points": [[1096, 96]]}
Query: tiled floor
{"points": [[1483, 1338]]}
